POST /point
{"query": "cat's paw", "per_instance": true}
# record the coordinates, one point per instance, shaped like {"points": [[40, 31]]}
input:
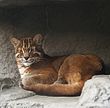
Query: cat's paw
{"points": [[23, 86]]}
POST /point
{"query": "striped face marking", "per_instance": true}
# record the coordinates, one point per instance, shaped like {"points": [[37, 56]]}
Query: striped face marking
{"points": [[28, 50]]}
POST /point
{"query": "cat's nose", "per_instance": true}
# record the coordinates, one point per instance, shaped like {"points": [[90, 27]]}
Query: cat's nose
{"points": [[26, 58]]}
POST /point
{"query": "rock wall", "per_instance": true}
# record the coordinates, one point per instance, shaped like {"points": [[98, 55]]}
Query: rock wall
{"points": [[80, 27], [96, 93]]}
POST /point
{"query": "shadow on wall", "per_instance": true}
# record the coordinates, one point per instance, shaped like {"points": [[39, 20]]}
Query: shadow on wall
{"points": [[66, 17]]}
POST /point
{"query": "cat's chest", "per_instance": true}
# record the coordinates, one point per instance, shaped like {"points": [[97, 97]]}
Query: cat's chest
{"points": [[26, 72], [22, 71]]}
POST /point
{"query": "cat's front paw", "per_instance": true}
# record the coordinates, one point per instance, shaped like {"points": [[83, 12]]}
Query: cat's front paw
{"points": [[21, 85]]}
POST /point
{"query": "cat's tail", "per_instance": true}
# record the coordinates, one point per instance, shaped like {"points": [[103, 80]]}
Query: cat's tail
{"points": [[57, 89]]}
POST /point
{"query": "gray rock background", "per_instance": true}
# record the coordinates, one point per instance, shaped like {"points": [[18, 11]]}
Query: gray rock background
{"points": [[77, 27], [98, 89]]}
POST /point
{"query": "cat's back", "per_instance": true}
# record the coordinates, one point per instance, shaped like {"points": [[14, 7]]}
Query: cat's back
{"points": [[85, 63]]}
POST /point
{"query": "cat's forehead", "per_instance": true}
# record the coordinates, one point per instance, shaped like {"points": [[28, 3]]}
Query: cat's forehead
{"points": [[27, 39], [27, 42]]}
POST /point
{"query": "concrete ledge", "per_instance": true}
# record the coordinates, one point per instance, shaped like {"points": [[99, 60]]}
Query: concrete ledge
{"points": [[95, 94], [19, 98]]}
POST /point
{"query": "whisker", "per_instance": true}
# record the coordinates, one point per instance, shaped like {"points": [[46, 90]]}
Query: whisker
{"points": [[39, 59]]}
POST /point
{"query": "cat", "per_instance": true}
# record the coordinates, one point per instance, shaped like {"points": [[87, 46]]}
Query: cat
{"points": [[57, 76]]}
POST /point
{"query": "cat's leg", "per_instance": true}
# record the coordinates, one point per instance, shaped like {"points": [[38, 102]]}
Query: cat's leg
{"points": [[37, 79], [61, 74], [26, 83]]}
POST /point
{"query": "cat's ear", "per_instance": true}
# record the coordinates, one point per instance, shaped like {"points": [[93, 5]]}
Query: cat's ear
{"points": [[38, 39], [15, 41]]}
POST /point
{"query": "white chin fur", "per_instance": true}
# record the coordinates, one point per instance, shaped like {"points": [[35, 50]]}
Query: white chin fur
{"points": [[27, 64]]}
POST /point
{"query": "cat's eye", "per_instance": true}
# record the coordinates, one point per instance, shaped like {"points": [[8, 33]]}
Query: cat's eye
{"points": [[17, 55], [33, 48], [38, 53], [29, 49]]}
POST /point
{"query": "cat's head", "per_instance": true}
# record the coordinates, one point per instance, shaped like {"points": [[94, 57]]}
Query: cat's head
{"points": [[28, 50]]}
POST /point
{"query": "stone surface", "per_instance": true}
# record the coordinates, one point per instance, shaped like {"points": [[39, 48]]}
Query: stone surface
{"points": [[18, 98], [14, 93], [6, 53], [96, 93]]}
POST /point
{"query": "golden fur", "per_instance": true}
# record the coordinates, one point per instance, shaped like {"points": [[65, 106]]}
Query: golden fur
{"points": [[58, 76]]}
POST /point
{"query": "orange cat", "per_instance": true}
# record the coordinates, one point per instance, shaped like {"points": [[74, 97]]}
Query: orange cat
{"points": [[64, 75]]}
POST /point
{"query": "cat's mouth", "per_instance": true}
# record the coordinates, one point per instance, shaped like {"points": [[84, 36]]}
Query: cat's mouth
{"points": [[28, 62]]}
